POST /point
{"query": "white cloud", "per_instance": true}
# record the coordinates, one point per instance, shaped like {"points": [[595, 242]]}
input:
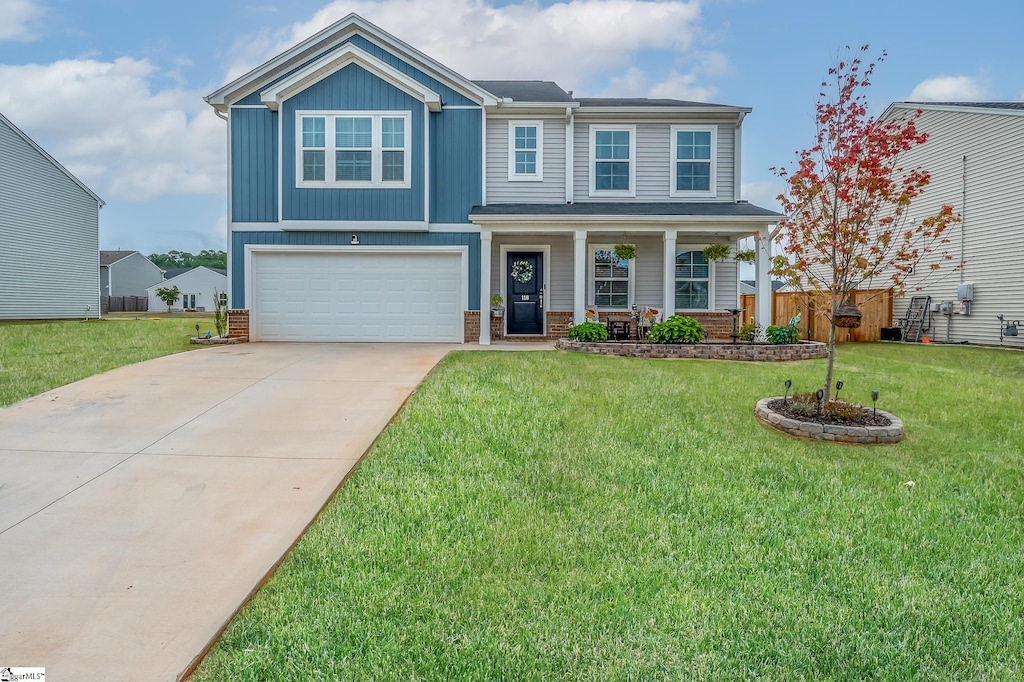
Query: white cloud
{"points": [[19, 19], [634, 82], [107, 124], [568, 42], [950, 89]]}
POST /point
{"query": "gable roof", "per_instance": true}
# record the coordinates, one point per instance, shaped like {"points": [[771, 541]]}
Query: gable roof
{"points": [[32, 143], [1004, 108], [110, 257], [527, 91], [336, 33], [171, 273]]}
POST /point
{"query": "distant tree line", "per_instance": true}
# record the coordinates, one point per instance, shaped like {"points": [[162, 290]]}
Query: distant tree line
{"points": [[184, 259]]}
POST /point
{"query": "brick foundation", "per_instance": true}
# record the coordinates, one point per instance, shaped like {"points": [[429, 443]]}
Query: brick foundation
{"points": [[805, 350], [558, 324], [238, 324], [472, 326]]}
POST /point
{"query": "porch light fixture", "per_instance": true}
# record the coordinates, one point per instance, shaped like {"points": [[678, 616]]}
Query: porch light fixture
{"points": [[355, 240]]}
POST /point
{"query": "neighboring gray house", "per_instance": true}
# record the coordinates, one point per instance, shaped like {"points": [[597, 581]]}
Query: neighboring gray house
{"points": [[49, 234], [127, 273], [197, 286], [975, 154]]}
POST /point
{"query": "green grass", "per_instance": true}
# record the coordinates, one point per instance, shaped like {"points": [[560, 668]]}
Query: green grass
{"points": [[40, 355], [550, 516]]}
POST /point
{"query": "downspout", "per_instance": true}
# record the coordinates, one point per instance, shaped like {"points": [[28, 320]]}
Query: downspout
{"points": [[220, 115], [570, 137]]}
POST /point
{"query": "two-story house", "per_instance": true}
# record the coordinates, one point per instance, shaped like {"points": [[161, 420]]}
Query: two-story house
{"points": [[377, 195]]}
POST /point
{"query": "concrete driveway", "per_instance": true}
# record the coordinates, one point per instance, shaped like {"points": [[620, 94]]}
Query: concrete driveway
{"points": [[139, 508]]}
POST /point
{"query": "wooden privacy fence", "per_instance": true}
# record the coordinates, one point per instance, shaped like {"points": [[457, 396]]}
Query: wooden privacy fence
{"points": [[124, 304], [875, 307]]}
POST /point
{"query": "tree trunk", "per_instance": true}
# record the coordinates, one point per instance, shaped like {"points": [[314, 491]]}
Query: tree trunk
{"points": [[831, 352]]}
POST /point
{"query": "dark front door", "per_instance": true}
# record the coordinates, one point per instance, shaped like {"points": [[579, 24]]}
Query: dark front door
{"points": [[525, 288]]}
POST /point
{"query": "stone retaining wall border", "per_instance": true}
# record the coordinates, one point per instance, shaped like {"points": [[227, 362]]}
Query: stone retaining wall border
{"points": [[856, 435], [805, 350]]}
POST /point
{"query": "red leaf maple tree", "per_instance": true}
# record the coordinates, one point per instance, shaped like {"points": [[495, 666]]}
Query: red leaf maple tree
{"points": [[847, 202]]}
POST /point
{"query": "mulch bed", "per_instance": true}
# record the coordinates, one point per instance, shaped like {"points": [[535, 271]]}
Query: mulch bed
{"points": [[865, 418]]}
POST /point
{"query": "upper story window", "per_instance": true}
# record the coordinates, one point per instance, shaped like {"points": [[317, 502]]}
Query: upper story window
{"points": [[613, 161], [693, 160], [612, 277], [693, 281], [525, 150], [353, 149]]}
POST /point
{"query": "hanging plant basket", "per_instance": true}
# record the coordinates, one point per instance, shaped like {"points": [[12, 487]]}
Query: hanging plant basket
{"points": [[625, 251], [848, 316], [746, 256], [714, 252]]}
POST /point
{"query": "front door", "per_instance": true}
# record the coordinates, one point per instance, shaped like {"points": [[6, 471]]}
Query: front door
{"points": [[525, 288]]}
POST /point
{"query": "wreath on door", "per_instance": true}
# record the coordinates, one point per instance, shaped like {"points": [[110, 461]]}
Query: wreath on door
{"points": [[522, 271]]}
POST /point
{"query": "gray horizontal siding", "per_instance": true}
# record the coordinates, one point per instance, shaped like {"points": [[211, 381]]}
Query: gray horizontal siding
{"points": [[49, 237], [560, 267], [131, 276], [993, 229], [551, 190], [653, 161]]}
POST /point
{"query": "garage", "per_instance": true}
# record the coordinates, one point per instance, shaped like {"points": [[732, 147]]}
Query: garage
{"points": [[363, 295]]}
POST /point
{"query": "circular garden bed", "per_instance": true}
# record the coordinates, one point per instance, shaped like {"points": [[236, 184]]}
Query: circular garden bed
{"points": [[751, 352], [880, 429]]}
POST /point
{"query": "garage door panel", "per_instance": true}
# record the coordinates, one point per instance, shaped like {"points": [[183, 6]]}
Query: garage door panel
{"points": [[357, 296]]}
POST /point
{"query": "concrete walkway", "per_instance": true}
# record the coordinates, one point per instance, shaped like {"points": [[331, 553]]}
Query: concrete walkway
{"points": [[139, 508]]}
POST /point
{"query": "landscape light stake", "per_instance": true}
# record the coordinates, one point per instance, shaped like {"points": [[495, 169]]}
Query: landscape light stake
{"points": [[789, 384], [839, 387], [874, 408], [819, 394], [197, 331]]}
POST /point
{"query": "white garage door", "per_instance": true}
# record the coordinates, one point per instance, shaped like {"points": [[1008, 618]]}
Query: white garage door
{"points": [[356, 297]]}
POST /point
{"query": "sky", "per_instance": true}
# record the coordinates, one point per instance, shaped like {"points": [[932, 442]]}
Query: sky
{"points": [[113, 88]]}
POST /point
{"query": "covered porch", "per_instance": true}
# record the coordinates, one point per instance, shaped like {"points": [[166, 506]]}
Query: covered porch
{"points": [[550, 264]]}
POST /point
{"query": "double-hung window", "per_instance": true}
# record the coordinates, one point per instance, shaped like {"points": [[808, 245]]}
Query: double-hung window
{"points": [[353, 149], [693, 281], [693, 160], [525, 150], [612, 277], [613, 161]]}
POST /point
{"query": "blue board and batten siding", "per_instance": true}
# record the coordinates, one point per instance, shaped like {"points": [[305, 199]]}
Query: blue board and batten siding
{"points": [[254, 165], [456, 171], [320, 238]]}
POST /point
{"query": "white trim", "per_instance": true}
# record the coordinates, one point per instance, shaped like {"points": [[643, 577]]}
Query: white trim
{"points": [[590, 220], [280, 166], [579, 276], [486, 246], [454, 227], [982, 109], [349, 226], [332, 36], [247, 106], [426, 162], [737, 162], [592, 249], [661, 111], [229, 214], [668, 279], [545, 251], [483, 157], [463, 250], [690, 246], [570, 153], [631, 129], [475, 107], [538, 174], [376, 150], [712, 190]]}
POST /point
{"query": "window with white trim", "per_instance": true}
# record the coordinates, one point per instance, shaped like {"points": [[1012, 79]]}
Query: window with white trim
{"points": [[612, 160], [525, 150], [693, 160], [693, 281], [366, 149], [612, 279]]}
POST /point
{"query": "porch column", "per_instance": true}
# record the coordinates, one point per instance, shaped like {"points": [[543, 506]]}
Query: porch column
{"points": [[485, 287], [579, 276], [762, 279], [669, 275]]}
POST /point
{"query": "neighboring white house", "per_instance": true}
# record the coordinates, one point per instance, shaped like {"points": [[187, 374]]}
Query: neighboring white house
{"points": [[975, 154], [197, 287], [49, 234], [127, 273]]}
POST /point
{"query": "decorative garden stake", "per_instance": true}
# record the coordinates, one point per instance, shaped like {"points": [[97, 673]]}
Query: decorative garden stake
{"points": [[848, 203], [839, 387], [874, 408], [197, 330], [819, 394], [789, 385]]}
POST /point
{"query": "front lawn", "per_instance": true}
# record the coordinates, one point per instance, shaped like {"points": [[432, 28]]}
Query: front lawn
{"points": [[40, 355], [553, 516]]}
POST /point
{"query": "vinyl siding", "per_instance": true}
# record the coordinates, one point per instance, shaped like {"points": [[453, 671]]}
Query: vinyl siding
{"points": [[993, 228], [318, 238], [455, 150], [551, 190], [558, 297], [49, 237], [352, 89], [253, 165], [202, 282], [131, 275], [653, 161]]}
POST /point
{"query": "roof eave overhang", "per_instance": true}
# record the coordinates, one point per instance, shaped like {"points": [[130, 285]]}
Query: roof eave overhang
{"points": [[329, 64], [661, 111], [895, 107], [518, 219]]}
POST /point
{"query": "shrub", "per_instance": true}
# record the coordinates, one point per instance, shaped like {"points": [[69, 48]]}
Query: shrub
{"points": [[677, 329], [589, 332], [778, 333], [750, 331]]}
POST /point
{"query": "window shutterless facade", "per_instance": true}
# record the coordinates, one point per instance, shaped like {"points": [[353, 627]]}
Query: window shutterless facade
{"points": [[353, 149], [613, 161], [611, 278], [694, 150], [525, 150], [693, 280]]}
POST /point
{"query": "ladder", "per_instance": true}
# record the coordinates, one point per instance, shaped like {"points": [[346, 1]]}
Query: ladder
{"points": [[914, 322]]}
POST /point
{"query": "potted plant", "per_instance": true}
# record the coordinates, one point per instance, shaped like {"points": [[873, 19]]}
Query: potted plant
{"points": [[497, 309], [625, 251], [713, 252], [746, 256]]}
